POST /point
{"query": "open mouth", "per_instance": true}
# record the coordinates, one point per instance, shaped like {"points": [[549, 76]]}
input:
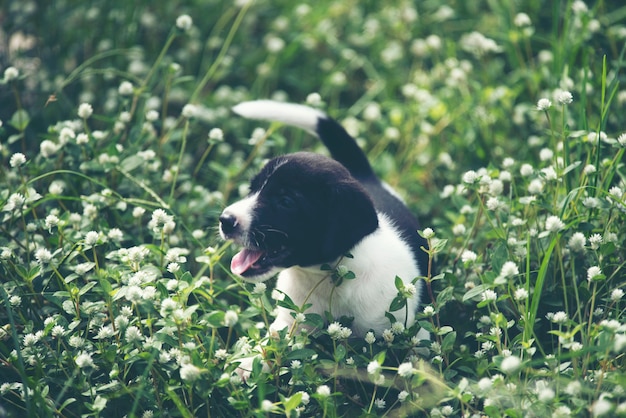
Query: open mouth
{"points": [[252, 262]]}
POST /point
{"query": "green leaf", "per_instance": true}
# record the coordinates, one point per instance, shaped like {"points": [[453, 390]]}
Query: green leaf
{"points": [[472, 293], [215, 319], [340, 353], [448, 342], [292, 402], [397, 303], [499, 256], [20, 120], [131, 163], [86, 288], [301, 354]]}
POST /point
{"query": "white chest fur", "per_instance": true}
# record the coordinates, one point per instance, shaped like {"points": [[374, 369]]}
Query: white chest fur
{"points": [[377, 260]]}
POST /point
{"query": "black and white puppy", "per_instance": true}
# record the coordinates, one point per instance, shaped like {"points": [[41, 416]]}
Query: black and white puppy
{"points": [[305, 210]]}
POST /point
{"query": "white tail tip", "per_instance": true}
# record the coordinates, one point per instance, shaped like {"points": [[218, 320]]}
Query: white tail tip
{"points": [[301, 116]]}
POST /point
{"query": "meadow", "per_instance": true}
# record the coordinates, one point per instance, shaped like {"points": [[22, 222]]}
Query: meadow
{"points": [[501, 124]]}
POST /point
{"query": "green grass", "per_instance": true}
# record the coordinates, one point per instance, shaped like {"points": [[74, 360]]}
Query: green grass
{"points": [[116, 292]]}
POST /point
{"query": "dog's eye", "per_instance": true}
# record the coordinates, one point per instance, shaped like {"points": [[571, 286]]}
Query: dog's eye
{"points": [[285, 201]]}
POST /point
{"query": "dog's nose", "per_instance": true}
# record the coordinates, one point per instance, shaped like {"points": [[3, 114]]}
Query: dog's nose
{"points": [[228, 223]]}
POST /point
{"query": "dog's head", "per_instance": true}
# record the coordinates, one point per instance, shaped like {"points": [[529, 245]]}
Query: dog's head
{"points": [[303, 209]]}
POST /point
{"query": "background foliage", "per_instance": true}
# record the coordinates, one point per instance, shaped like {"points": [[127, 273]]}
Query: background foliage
{"points": [[119, 152]]}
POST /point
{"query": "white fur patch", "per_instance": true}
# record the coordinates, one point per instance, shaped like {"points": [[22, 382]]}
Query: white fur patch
{"points": [[242, 211], [292, 114], [377, 260]]}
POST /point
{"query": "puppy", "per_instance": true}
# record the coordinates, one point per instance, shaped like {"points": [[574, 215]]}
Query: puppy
{"points": [[305, 210]]}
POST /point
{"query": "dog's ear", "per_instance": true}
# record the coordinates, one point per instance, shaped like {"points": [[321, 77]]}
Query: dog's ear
{"points": [[352, 218]]}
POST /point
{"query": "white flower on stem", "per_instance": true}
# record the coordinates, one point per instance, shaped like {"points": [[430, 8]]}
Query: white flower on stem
{"points": [[564, 97], [543, 104], [189, 373], [554, 224], [593, 273], [85, 110], [18, 159], [184, 22], [10, 74]]}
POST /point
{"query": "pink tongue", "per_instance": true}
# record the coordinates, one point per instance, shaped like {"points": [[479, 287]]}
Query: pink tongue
{"points": [[243, 260]]}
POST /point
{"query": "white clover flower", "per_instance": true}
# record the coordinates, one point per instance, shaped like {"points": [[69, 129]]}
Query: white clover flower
{"points": [[230, 318], [403, 396], [189, 111], [470, 177], [189, 373], [17, 160], [43, 256], [406, 370], [489, 296], [51, 221], [380, 403], [478, 44], [173, 267], [559, 317], [373, 367], [10, 74], [601, 407], [91, 238], [48, 148], [115, 234], [621, 139], [589, 169], [459, 229], [616, 295], [468, 256], [509, 269], [493, 203], [334, 329], [554, 224], [274, 44], [370, 338], [314, 99], [126, 88], [428, 233], [85, 110], [323, 391], [521, 20], [520, 294], [259, 288], [595, 240], [526, 170], [535, 186], [216, 134], [57, 331], [84, 360], [184, 22], [591, 202], [428, 311], [138, 212], [397, 328], [388, 336], [546, 154], [593, 273], [133, 334], [151, 115], [549, 173], [544, 104], [344, 333], [564, 97], [15, 300]]}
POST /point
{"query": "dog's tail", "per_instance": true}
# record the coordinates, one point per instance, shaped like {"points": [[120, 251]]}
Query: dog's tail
{"points": [[341, 145]]}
